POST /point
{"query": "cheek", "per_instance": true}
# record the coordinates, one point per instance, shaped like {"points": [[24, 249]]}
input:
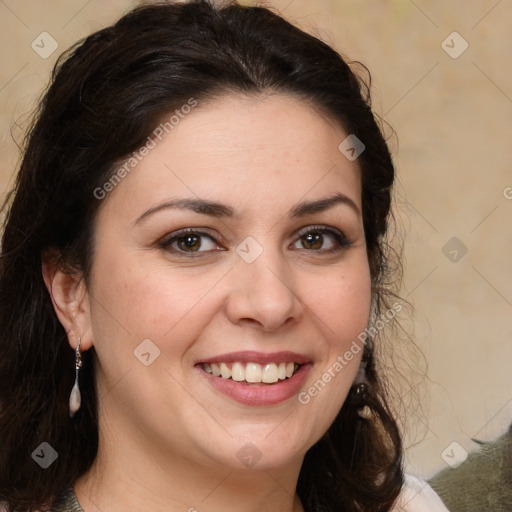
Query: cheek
{"points": [[340, 309], [342, 302], [137, 301], [133, 303]]}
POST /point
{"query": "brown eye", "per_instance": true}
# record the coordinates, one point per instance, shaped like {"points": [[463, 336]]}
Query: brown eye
{"points": [[312, 240], [321, 239], [187, 242]]}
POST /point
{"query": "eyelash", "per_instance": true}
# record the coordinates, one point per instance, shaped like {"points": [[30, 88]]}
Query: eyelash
{"points": [[340, 240]]}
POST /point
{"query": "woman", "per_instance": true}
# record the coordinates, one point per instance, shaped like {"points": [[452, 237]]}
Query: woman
{"points": [[195, 276]]}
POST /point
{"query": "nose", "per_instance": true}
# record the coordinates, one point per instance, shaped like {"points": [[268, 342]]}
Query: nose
{"points": [[262, 293]]}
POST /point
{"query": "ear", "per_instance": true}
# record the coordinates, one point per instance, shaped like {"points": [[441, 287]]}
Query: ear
{"points": [[70, 301]]}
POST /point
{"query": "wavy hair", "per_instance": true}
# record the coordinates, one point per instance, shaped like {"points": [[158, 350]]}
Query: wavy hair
{"points": [[107, 94]]}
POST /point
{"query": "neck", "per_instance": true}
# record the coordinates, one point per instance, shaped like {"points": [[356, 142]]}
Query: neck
{"points": [[139, 476]]}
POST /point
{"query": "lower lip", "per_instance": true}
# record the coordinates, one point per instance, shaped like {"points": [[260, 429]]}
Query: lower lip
{"points": [[265, 394]]}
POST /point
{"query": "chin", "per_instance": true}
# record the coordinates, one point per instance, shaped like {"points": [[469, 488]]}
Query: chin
{"points": [[269, 447]]}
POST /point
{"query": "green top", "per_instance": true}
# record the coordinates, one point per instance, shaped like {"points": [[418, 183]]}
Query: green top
{"points": [[416, 496], [483, 482], [67, 502]]}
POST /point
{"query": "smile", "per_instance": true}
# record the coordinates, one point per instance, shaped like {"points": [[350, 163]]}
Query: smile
{"points": [[252, 373], [255, 378]]}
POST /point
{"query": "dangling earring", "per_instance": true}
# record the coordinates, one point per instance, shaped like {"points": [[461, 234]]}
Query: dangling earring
{"points": [[75, 398], [364, 412], [359, 393]]}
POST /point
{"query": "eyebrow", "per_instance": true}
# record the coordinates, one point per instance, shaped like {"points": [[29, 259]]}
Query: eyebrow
{"points": [[196, 205], [320, 205], [219, 210]]}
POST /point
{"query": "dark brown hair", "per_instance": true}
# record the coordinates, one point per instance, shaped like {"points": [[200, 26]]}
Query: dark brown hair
{"points": [[107, 94]]}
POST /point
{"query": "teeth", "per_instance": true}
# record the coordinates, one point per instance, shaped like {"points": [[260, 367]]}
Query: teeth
{"points": [[252, 372], [238, 372], [270, 373], [225, 372]]}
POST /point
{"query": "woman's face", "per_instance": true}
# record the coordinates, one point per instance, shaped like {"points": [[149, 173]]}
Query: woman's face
{"points": [[236, 245]]}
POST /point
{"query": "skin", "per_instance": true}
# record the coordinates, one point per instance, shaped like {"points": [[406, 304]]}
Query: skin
{"points": [[168, 439]]}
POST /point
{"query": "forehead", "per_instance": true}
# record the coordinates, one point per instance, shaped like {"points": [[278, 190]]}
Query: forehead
{"points": [[265, 149]]}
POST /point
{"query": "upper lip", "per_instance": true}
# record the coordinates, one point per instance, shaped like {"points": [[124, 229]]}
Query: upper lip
{"points": [[249, 356]]}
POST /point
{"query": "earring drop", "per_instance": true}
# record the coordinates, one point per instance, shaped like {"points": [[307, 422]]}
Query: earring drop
{"points": [[75, 398], [365, 412], [360, 393]]}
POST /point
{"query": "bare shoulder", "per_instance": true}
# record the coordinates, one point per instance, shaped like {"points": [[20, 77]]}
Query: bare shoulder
{"points": [[418, 496]]}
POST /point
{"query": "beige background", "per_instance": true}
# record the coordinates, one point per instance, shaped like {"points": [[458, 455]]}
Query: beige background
{"points": [[453, 119]]}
